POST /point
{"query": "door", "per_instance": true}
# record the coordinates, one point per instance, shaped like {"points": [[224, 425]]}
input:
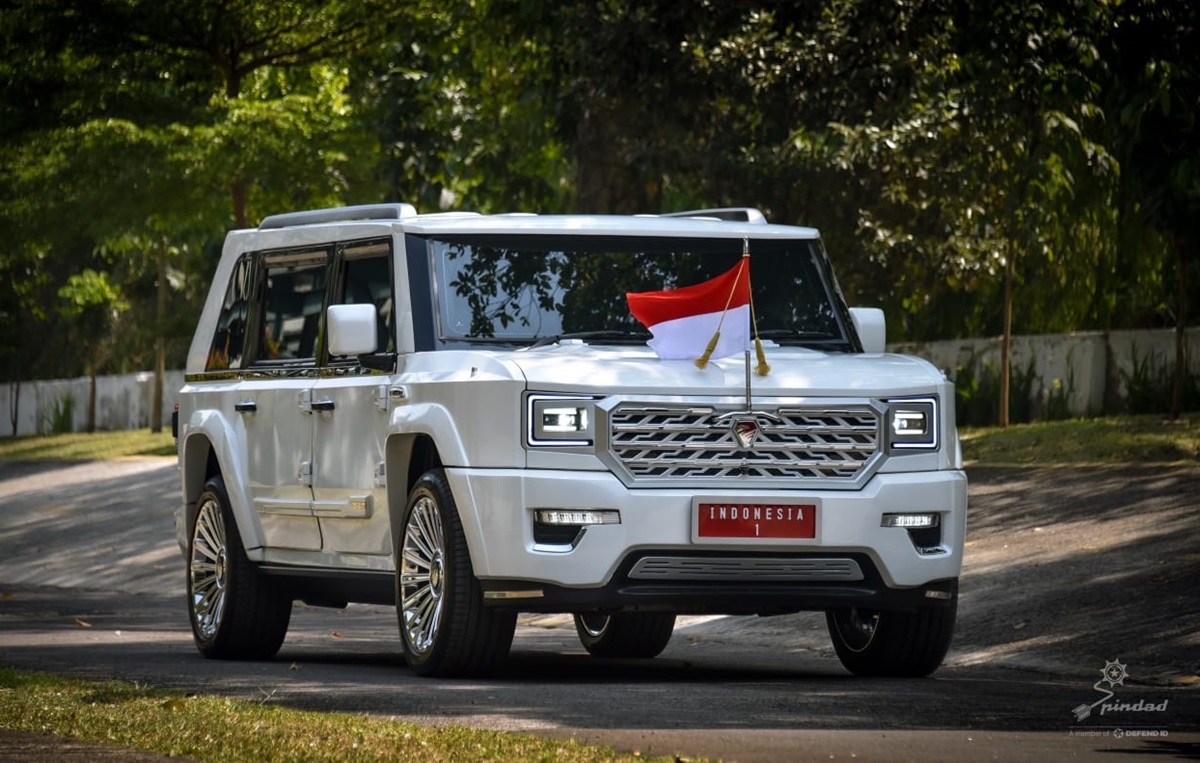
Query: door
{"points": [[350, 430], [275, 400]]}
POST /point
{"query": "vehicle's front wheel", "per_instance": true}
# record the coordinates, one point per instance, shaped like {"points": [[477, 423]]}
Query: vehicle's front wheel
{"points": [[892, 643], [625, 634], [236, 614], [445, 627]]}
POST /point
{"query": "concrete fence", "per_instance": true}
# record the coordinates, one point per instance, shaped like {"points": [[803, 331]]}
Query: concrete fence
{"points": [[1054, 375], [1079, 374], [122, 402]]}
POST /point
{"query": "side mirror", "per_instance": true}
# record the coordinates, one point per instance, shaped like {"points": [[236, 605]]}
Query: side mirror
{"points": [[351, 329], [871, 328]]}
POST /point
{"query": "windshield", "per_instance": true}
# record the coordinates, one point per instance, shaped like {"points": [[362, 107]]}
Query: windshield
{"points": [[521, 289]]}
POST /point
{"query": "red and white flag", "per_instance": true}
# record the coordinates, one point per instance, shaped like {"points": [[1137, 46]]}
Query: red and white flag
{"points": [[684, 320]]}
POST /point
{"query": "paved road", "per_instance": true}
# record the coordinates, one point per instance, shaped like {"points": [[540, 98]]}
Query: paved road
{"points": [[91, 586]]}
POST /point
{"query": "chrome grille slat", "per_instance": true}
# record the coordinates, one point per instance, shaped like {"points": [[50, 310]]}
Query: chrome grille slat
{"points": [[716, 569], [655, 443]]}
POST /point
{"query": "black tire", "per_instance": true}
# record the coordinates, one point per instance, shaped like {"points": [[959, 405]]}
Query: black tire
{"points": [[892, 643], [625, 634], [445, 628], [235, 612]]}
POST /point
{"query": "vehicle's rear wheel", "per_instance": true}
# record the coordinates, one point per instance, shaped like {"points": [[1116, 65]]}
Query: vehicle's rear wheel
{"points": [[445, 627], [892, 643], [625, 634], [236, 613]]}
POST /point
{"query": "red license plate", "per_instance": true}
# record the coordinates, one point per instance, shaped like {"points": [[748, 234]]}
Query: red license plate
{"points": [[756, 520]]}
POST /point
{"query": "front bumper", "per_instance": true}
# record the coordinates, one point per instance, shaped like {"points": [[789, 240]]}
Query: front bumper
{"points": [[601, 569]]}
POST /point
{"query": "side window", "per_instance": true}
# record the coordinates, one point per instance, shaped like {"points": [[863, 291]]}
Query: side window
{"points": [[229, 340], [294, 297], [366, 278]]}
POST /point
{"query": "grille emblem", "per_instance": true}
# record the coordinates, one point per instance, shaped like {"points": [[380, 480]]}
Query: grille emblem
{"points": [[745, 431]]}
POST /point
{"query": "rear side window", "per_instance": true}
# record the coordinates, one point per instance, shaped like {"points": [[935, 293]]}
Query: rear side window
{"points": [[294, 291], [229, 341]]}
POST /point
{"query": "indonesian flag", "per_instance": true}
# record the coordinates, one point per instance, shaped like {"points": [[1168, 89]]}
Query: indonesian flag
{"points": [[684, 320]]}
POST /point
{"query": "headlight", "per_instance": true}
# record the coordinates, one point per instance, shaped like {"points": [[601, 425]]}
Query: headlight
{"points": [[912, 424], [554, 420]]}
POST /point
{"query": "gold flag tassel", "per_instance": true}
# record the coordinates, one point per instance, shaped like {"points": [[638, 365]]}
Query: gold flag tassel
{"points": [[702, 361], [761, 368]]}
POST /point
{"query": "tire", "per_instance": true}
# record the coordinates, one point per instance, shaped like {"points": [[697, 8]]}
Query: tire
{"points": [[625, 634], [445, 629], [235, 612], [891, 643]]}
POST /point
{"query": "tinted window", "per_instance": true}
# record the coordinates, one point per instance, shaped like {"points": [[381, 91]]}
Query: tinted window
{"points": [[229, 341], [294, 299], [367, 279], [522, 288]]}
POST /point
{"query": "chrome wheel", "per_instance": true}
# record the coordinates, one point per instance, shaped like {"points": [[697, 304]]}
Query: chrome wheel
{"points": [[624, 634], [893, 642], [236, 613], [857, 628], [593, 625], [422, 575], [208, 568], [444, 626]]}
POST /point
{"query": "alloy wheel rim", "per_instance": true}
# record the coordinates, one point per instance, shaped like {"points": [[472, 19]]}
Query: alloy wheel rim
{"points": [[594, 625], [422, 575], [858, 628], [208, 569]]}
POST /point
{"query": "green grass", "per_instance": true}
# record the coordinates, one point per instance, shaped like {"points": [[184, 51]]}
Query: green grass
{"points": [[1118, 440], [209, 728], [82, 446]]}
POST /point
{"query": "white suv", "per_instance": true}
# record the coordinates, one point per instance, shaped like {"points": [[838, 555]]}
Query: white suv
{"points": [[458, 414]]}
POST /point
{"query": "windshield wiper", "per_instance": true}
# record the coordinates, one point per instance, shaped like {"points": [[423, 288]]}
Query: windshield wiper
{"points": [[798, 335], [624, 336]]}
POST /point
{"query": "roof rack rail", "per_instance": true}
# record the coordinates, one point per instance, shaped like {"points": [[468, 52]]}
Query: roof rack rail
{"points": [[339, 214], [729, 214]]}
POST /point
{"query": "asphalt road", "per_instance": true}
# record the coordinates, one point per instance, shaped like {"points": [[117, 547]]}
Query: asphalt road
{"points": [[1067, 571]]}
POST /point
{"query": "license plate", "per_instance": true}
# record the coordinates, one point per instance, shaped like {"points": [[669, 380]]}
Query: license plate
{"points": [[719, 519]]}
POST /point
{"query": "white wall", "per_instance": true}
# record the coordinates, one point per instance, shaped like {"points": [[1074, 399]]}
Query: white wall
{"points": [[1091, 366], [122, 402]]}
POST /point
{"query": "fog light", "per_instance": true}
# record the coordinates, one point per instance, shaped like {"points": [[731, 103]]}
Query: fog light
{"points": [[578, 517], [910, 521]]}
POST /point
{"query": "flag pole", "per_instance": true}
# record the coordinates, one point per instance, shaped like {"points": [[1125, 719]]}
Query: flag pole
{"points": [[749, 406]]}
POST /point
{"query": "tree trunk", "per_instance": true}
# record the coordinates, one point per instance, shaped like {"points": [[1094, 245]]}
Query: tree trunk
{"points": [[239, 204], [14, 406], [1006, 339], [1181, 315], [160, 343], [605, 180]]}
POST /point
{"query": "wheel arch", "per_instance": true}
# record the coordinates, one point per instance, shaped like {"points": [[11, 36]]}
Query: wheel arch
{"points": [[408, 456], [206, 453]]}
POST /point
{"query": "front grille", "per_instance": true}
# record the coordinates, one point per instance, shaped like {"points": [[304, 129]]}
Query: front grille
{"points": [[809, 443], [759, 569]]}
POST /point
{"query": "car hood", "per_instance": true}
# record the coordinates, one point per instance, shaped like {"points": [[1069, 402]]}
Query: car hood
{"points": [[603, 370]]}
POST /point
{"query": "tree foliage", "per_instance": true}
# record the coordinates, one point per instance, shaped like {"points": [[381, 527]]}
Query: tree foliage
{"points": [[959, 158]]}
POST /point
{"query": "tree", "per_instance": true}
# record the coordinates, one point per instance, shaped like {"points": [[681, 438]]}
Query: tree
{"points": [[93, 305], [1154, 98]]}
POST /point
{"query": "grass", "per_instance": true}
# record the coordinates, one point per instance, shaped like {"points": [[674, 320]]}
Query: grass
{"points": [[209, 728], [82, 446], [1117, 441]]}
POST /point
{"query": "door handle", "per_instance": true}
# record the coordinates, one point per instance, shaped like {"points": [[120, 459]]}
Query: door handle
{"points": [[322, 405], [245, 406]]}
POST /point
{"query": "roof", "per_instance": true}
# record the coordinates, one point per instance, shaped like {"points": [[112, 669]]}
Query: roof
{"points": [[711, 223]]}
